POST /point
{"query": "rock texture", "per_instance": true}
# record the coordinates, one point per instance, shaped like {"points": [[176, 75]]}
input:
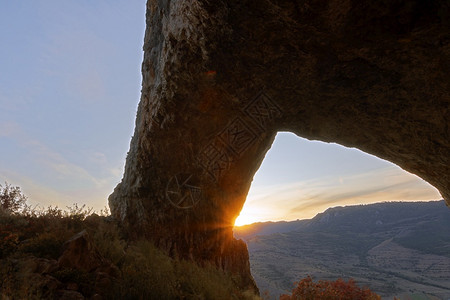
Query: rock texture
{"points": [[42, 278], [80, 253], [221, 78]]}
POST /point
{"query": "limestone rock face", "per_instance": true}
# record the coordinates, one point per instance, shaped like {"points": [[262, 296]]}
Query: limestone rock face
{"points": [[221, 78]]}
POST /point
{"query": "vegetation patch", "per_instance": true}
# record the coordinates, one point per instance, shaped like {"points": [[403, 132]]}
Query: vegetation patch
{"points": [[32, 240]]}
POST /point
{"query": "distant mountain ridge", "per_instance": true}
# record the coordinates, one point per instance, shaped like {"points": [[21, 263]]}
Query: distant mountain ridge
{"points": [[396, 248], [265, 228]]}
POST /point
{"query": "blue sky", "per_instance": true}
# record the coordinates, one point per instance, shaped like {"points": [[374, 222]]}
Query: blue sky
{"points": [[69, 87]]}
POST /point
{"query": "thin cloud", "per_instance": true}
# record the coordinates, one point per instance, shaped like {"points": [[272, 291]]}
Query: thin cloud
{"points": [[44, 196], [97, 158], [55, 165], [307, 198], [56, 162]]}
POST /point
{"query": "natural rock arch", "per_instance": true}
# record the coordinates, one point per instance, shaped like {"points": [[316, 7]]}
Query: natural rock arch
{"points": [[220, 78]]}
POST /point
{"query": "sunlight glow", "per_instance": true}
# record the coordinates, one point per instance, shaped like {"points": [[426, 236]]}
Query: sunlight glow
{"points": [[305, 199], [244, 219], [284, 189]]}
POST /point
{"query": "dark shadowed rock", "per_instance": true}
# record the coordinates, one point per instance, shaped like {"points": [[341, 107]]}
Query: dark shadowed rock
{"points": [[221, 78], [79, 253], [35, 274], [69, 295]]}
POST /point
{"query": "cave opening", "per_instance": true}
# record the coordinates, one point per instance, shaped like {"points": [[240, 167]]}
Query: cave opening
{"points": [[300, 178]]}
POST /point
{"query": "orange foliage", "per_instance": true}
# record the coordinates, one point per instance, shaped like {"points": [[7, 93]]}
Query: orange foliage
{"points": [[306, 289]]}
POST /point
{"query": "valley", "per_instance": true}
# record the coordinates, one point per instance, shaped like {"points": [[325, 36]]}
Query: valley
{"points": [[396, 249]]}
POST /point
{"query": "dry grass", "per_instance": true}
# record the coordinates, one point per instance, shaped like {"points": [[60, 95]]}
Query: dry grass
{"points": [[145, 271]]}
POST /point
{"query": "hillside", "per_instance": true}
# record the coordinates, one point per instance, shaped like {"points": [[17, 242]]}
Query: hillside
{"points": [[396, 249], [56, 254]]}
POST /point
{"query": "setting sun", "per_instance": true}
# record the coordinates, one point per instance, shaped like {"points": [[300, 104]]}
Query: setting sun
{"points": [[244, 219], [253, 212]]}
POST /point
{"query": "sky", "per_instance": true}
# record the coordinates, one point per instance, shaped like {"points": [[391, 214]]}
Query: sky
{"points": [[70, 83]]}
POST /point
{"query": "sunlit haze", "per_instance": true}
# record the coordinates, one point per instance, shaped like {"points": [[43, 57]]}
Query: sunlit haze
{"points": [[69, 88], [300, 178]]}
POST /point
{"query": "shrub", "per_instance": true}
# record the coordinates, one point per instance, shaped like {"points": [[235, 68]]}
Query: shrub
{"points": [[8, 243], [148, 273], [31, 236], [12, 200], [46, 245], [306, 289]]}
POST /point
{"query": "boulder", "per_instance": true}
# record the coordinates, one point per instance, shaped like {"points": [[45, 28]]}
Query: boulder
{"points": [[79, 253]]}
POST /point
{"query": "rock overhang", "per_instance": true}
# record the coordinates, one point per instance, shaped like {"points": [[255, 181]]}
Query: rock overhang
{"points": [[221, 78]]}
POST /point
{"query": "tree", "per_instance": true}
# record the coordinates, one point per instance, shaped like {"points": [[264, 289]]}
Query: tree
{"points": [[306, 289], [12, 200]]}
